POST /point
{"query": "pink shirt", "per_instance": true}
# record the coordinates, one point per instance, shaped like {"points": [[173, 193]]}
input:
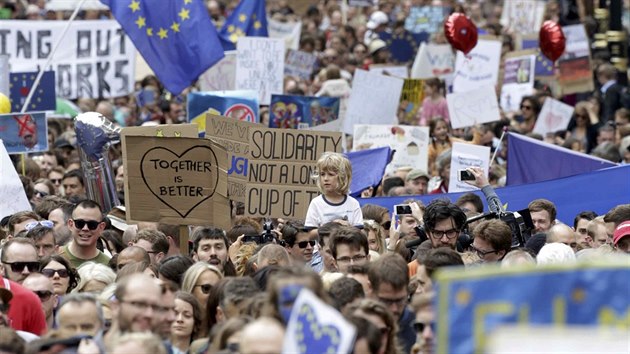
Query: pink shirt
{"points": [[432, 109]]}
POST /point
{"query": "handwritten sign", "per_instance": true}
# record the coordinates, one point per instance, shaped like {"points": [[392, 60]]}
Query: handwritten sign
{"points": [[479, 68], [290, 32], [518, 81], [574, 65], [11, 188], [399, 71], [374, 100], [474, 107], [554, 116], [463, 156], [433, 60], [221, 76], [24, 132], [281, 162], [522, 16], [300, 64], [181, 181], [260, 66]]}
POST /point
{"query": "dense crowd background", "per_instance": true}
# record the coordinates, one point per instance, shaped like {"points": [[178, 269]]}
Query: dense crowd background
{"points": [[72, 269]]}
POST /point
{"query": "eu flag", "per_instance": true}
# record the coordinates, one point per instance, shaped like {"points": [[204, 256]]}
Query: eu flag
{"points": [[43, 99], [175, 37], [249, 19]]}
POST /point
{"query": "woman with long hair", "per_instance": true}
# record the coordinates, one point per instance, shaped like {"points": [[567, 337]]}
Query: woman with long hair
{"points": [[187, 322]]}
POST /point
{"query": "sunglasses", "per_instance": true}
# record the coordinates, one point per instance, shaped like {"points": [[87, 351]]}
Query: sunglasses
{"points": [[386, 225], [18, 267], [4, 308], [420, 326], [44, 295], [526, 107], [56, 180], [303, 244], [41, 194], [205, 288], [45, 223], [91, 224], [63, 273]]}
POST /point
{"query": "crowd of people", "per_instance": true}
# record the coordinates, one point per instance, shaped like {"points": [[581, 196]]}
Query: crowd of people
{"points": [[73, 275]]}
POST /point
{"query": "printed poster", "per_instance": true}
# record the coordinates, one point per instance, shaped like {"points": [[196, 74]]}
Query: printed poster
{"points": [[300, 112], [576, 74], [24, 132], [518, 81]]}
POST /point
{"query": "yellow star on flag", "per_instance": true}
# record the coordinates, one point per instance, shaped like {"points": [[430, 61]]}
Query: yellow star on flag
{"points": [[163, 33], [242, 17], [463, 297], [149, 31], [175, 27], [257, 25], [187, 1], [184, 14], [141, 22], [231, 28], [134, 6]]}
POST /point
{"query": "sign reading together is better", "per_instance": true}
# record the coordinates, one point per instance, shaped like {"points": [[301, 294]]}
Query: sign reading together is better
{"points": [[179, 181], [281, 168]]}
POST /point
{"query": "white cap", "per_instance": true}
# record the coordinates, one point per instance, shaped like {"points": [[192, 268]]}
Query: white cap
{"points": [[376, 19]]}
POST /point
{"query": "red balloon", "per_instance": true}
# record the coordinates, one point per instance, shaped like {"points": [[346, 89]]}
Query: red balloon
{"points": [[551, 40], [460, 32]]}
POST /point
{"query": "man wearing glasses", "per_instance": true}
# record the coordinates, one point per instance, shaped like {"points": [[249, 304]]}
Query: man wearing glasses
{"points": [[86, 226], [493, 240], [19, 259], [42, 286], [443, 221], [25, 311], [349, 247], [299, 242]]}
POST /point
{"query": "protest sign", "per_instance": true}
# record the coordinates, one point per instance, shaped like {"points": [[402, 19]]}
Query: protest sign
{"points": [[463, 156], [433, 60], [425, 19], [11, 188], [518, 81], [522, 16], [474, 303], [411, 100], [97, 60], [480, 67], [576, 74], [300, 112], [241, 105], [44, 97], [374, 100], [544, 66], [411, 143], [4, 75], [474, 107], [24, 132], [281, 164], [233, 135], [399, 71], [163, 131], [290, 32], [554, 116], [300, 64], [70, 5], [316, 327], [221, 76], [260, 66], [179, 181]]}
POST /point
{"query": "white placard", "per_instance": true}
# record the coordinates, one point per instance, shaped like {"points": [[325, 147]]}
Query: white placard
{"points": [[260, 66], [5, 70], [300, 64], [475, 107], [70, 5], [522, 16], [480, 67], [374, 100], [410, 142], [400, 71], [463, 156], [290, 32], [221, 76], [95, 59], [11, 188], [554, 116], [433, 60], [518, 81]]}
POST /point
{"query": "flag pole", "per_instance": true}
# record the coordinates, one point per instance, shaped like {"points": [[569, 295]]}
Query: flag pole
{"points": [[41, 71], [498, 146]]}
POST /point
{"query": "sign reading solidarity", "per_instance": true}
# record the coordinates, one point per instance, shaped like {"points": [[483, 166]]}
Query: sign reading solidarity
{"points": [[176, 180]]}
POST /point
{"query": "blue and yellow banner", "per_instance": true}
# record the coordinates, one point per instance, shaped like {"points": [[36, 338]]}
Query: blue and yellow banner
{"points": [[293, 112], [249, 19], [472, 303], [242, 105], [44, 98]]}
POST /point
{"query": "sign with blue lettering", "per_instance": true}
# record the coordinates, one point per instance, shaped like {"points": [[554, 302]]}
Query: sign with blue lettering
{"points": [[472, 303]]}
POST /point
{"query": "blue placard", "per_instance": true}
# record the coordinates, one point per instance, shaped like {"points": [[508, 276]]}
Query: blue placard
{"points": [[24, 132], [287, 111], [44, 98]]}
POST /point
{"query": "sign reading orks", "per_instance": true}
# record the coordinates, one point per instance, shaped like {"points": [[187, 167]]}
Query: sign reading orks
{"points": [[179, 181]]}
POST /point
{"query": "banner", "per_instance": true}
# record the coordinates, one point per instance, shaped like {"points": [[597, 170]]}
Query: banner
{"points": [[410, 143], [289, 31], [522, 16], [242, 105], [221, 76], [97, 59], [472, 304], [518, 81], [433, 60], [463, 156], [300, 64], [43, 99], [474, 107], [576, 74], [372, 164], [300, 112], [425, 18], [260, 66], [280, 172], [480, 67], [11, 188], [554, 116], [24, 132]]}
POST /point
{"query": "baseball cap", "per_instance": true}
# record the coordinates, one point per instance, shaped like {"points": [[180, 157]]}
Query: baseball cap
{"points": [[6, 295], [417, 173], [376, 19], [622, 230], [62, 143], [376, 45]]}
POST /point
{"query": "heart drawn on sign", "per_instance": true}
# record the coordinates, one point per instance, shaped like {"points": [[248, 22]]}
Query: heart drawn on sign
{"points": [[197, 163]]}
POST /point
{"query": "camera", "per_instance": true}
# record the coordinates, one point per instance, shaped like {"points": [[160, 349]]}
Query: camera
{"points": [[520, 222], [267, 236]]}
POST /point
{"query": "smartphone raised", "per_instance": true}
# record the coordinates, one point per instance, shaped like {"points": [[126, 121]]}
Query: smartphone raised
{"points": [[465, 175], [402, 209]]}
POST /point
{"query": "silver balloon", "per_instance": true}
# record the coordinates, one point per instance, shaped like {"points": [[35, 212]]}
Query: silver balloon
{"points": [[95, 135]]}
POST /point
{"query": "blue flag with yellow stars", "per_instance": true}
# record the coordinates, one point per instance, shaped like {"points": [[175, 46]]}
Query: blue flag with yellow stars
{"points": [[20, 85], [249, 19], [175, 37]]}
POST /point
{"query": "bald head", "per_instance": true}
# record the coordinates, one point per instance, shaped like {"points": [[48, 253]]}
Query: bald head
{"points": [[561, 233], [132, 254], [262, 336]]}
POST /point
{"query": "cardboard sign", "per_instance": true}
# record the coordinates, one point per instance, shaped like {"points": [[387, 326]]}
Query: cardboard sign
{"points": [[479, 68], [411, 143], [290, 32], [301, 112], [233, 135], [374, 100], [463, 156], [281, 162], [433, 60], [260, 66], [221, 76], [576, 74], [180, 181], [11, 188], [518, 81], [522, 16], [554, 116], [399, 71], [300, 64], [24, 132], [475, 107]]}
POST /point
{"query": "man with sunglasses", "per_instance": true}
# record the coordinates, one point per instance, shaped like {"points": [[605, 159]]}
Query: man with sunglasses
{"points": [[42, 286], [299, 242], [86, 226], [19, 259]]}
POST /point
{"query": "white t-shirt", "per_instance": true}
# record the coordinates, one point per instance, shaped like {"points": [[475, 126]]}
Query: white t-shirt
{"points": [[321, 211]]}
